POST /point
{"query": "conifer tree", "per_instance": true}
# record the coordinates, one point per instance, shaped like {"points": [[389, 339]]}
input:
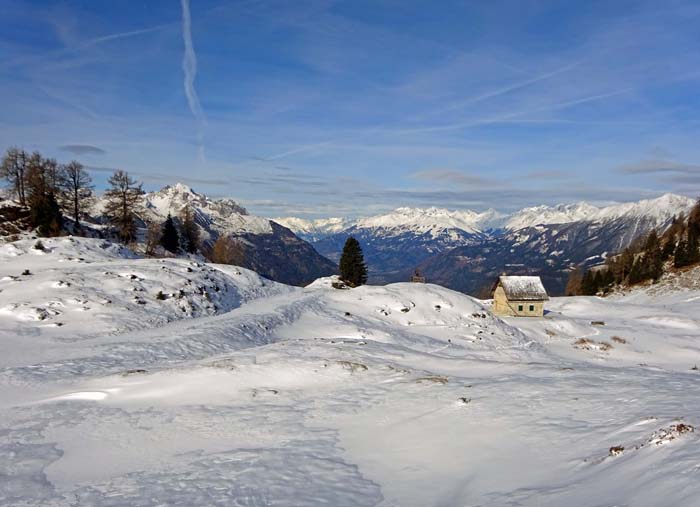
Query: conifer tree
{"points": [[353, 269], [227, 250], [13, 169], [573, 284], [76, 190], [170, 239], [44, 211], [637, 273], [190, 231], [587, 284], [680, 255], [123, 200], [653, 257]]}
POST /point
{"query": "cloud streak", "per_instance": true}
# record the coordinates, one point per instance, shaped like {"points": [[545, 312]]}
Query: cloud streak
{"points": [[82, 149], [189, 67]]}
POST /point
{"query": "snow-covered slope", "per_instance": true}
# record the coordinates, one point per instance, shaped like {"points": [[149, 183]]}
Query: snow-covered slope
{"points": [[82, 287], [407, 394]]}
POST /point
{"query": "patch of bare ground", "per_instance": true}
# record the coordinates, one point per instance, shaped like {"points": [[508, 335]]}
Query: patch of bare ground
{"points": [[353, 367], [619, 339], [659, 437], [587, 344]]}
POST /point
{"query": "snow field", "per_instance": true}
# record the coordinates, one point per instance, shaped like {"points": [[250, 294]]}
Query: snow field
{"points": [[403, 395]]}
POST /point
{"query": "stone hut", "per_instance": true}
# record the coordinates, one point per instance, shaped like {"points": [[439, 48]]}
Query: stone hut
{"points": [[519, 296]]}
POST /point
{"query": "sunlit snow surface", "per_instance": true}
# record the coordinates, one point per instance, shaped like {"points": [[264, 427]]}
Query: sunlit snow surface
{"points": [[259, 394]]}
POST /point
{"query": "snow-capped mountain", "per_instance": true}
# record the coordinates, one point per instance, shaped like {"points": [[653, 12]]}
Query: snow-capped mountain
{"points": [[215, 216], [457, 248], [270, 249], [435, 222], [658, 211], [313, 229]]}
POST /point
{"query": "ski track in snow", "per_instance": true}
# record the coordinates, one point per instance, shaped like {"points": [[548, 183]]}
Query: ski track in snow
{"points": [[404, 395]]}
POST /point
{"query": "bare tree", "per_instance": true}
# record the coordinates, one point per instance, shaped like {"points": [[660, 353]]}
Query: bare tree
{"points": [[189, 230], [123, 200], [13, 170], [40, 179], [76, 185], [153, 233]]}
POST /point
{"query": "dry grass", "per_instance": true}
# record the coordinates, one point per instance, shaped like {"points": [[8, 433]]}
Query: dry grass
{"points": [[353, 367], [434, 378], [618, 339]]}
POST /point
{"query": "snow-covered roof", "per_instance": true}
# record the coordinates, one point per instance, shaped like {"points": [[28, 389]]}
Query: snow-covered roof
{"points": [[523, 288]]}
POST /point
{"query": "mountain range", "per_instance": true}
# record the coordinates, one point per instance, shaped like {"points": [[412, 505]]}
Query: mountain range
{"points": [[271, 249], [466, 250]]}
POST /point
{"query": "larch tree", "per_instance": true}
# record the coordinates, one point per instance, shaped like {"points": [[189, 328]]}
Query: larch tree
{"points": [[227, 250], [44, 211], [13, 170], [152, 239], [189, 236], [122, 203], [573, 284], [77, 190], [353, 269]]}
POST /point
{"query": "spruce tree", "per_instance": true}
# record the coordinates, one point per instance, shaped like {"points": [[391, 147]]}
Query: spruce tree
{"points": [[353, 269], [637, 272], [170, 239], [680, 256]]}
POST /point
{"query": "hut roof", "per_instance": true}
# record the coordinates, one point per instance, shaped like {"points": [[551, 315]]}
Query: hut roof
{"points": [[523, 288]]}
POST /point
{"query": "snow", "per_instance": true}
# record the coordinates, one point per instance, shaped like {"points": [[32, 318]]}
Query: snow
{"points": [[659, 211], [262, 394], [314, 228], [224, 216], [431, 220], [524, 288], [435, 221]]}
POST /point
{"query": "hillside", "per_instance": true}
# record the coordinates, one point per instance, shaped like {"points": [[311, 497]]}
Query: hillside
{"points": [[262, 394]]}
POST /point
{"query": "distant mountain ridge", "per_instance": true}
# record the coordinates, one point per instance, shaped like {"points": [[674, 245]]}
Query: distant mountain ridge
{"points": [[433, 219], [462, 249]]}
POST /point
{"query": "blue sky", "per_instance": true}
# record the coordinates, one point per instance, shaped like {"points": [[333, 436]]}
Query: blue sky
{"points": [[326, 108]]}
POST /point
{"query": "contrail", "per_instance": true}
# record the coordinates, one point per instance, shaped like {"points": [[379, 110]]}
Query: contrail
{"points": [[189, 67]]}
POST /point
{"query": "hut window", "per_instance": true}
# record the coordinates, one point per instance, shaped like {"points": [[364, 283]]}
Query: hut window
{"points": [[520, 308], [532, 308]]}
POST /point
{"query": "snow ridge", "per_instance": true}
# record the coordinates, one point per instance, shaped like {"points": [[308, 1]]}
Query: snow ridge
{"points": [[435, 221]]}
